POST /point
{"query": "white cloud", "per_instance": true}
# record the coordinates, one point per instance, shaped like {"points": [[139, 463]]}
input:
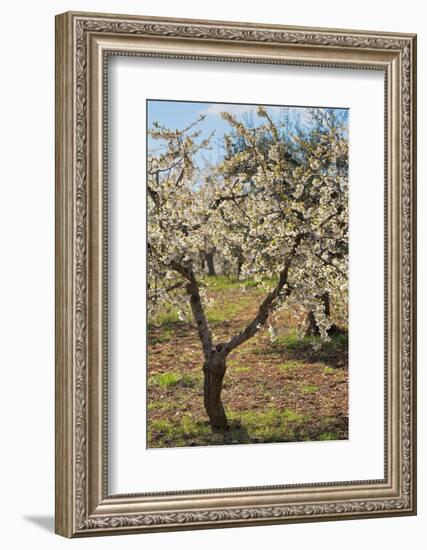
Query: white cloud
{"points": [[218, 108], [299, 116]]}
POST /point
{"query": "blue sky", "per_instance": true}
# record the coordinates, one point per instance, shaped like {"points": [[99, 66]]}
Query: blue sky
{"points": [[179, 114]]}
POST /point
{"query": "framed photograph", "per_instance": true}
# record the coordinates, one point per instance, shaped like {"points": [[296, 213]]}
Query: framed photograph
{"points": [[235, 274]]}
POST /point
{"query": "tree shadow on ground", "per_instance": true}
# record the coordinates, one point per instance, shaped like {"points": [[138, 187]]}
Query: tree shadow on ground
{"points": [[159, 334], [331, 428], [311, 349], [192, 433], [236, 434], [320, 429], [242, 431]]}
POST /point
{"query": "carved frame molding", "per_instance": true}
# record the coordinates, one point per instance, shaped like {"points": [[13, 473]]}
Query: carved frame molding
{"points": [[83, 42]]}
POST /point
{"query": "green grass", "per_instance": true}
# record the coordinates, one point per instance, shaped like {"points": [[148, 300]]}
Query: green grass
{"points": [[163, 433], [293, 342], [222, 310], [267, 426], [166, 317], [328, 436], [163, 405], [169, 379], [233, 366], [241, 369], [163, 336], [333, 352], [288, 366], [309, 388], [241, 350], [263, 351], [245, 427], [329, 370]]}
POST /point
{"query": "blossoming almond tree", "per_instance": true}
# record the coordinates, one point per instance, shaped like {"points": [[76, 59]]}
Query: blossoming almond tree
{"points": [[276, 204]]}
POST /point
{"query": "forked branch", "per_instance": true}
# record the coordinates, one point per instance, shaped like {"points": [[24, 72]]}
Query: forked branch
{"points": [[265, 308]]}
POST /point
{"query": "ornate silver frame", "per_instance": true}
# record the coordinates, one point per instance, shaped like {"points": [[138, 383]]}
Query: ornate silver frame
{"points": [[83, 42]]}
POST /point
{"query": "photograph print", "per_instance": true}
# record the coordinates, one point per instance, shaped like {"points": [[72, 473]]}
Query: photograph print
{"points": [[247, 273]]}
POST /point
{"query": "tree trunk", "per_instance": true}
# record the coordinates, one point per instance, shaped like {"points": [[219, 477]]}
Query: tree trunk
{"points": [[214, 369], [239, 267], [210, 262], [312, 328]]}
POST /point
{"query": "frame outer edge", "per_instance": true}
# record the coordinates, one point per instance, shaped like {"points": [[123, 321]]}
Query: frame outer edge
{"points": [[414, 367], [72, 483], [153, 19], [64, 237]]}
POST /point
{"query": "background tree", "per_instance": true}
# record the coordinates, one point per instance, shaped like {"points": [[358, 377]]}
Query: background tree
{"points": [[298, 153], [276, 205]]}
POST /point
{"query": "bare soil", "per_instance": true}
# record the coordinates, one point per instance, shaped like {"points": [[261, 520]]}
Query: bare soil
{"points": [[298, 393]]}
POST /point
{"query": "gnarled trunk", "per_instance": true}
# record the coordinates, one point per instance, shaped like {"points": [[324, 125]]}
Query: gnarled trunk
{"points": [[214, 369], [239, 267], [312, 328], [210, 262], [215, 355], [214, 365]]}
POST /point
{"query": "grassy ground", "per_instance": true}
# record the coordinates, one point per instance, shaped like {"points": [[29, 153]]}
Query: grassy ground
{"points": [[273, 392]]}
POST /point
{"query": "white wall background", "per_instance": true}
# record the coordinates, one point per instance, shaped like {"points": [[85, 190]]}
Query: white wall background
{"points": [[27, 274]]}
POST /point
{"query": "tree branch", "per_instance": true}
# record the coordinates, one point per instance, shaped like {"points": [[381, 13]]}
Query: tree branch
{"points": [[196, 305], [153, 194], [329, 218], [200, 318], [327, 262], [265, 308], [185, 272]]}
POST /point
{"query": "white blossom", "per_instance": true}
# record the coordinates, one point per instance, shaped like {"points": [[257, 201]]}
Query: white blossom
{"points": [[270, 189]]}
